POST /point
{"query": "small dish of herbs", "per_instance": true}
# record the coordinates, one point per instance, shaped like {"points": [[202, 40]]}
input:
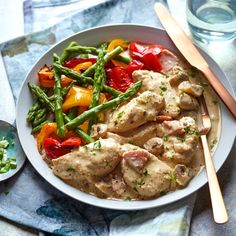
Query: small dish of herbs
{"points": [[7, 163], [12, 156]]}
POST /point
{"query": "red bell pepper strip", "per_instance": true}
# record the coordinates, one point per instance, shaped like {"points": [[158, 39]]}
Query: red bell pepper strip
{"points": [[148, 55], [71, 142], [151, 62], [118, 78], [75, 61], [55, 149], [134, 65]]}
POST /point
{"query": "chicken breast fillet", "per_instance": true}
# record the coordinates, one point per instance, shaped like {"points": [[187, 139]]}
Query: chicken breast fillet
{"points": [[95, 159], [158, 84], [137, 112], [145, 173]]}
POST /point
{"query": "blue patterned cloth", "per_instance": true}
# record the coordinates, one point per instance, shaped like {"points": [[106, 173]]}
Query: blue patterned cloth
{"points": [[27, 198]]}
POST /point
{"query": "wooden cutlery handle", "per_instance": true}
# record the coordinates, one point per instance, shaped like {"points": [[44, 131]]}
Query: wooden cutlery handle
{"points": [[220, 90], [218, 206]]}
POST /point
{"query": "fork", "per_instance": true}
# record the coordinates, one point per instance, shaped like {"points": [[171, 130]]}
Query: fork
{"points": [[219, 210]]}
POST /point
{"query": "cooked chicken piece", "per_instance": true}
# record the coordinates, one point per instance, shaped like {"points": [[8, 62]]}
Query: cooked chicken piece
{"points": [[180, 140], [156, 82], [187, 102], [179, 150], [155, 146], [177, 75], [168, 60], [171, 109], [152, 180], [194, 90], [138, 111], [99, 131], [113, 185], [183, 175], [152, 81], [94, 159], [179, 127], [139, 135]]}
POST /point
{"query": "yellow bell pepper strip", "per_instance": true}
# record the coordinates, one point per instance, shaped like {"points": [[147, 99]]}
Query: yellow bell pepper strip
{"points": [[77, 96], [115, 43], [101, 115], [83, 126], [82, 66]]}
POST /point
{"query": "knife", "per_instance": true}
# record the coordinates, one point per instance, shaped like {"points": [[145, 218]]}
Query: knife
{"points": [[192, 55]]}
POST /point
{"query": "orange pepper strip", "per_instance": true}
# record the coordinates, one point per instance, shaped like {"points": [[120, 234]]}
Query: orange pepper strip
{"points": [[46, 77], [65, 81], [48, 130]]}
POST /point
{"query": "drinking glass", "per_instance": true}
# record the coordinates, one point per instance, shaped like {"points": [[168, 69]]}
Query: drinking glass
{"points": [[212, 20]]}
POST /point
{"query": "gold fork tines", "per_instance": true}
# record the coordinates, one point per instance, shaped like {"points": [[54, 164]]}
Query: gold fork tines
{"points": [[217, 201], [206, 121]]}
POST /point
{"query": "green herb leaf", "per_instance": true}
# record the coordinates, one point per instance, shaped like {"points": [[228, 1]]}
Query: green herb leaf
{"points": [[97, 145], [165, 137], [140, 181]]}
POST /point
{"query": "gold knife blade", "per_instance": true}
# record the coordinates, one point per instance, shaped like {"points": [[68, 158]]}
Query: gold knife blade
{"points": [[192, 55]]}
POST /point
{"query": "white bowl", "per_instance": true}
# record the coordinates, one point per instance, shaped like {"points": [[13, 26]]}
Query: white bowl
{"points": [[93, 37]]}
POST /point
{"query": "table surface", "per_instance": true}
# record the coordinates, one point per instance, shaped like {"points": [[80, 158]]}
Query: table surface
{"points": [[223, 53]]}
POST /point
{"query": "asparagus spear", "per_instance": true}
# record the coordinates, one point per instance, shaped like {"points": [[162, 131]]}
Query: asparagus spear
{"points": [[40, 94], [58, 104], [82, 50], [121, 58], [107, 58], [32, 111], [79, 131], [84, 79], [65, 54], [40, 116], [99, 81], [114, 102]]}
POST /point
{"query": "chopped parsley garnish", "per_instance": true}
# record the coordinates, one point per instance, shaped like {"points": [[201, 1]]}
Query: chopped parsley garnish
{"points": [[188, 130], [128, 198], [97, 145], [70, 169], [120, 114], [135, 189], [145, 172], [140, 181], [166, 137], [163, 88], [214, 142], [170, 176], [181, 139], [214, 101]]}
